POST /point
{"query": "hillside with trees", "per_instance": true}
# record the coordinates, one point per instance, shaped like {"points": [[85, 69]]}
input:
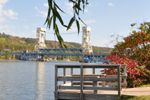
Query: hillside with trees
{"points": [[14, 43]]}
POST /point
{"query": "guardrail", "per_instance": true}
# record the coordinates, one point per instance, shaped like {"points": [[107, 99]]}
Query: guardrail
{"points": [[84, 86]]}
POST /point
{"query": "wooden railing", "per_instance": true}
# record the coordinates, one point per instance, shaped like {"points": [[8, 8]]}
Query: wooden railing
{"points": [[66, 79]]}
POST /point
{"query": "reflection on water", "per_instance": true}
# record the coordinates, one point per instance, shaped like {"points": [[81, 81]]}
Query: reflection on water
{"points": [[17, 80], [27, 80], [40, 82]]}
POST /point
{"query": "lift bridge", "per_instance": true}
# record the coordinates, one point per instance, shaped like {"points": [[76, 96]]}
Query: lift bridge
{"points": [[85, 52], [57, 52]]}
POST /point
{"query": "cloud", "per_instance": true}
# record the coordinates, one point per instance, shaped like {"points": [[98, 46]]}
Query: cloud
{"points": [[7, 29], [9, 14], [110, 4], [3, 2], [6, 13], [5, 16]]}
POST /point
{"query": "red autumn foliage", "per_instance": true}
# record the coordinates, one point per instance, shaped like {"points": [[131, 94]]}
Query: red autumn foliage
{"points": [[132, 70], [135, 46], [134, 51]]}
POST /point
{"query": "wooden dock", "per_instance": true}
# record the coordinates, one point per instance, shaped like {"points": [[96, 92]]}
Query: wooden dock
{"points": [[94, 85]]}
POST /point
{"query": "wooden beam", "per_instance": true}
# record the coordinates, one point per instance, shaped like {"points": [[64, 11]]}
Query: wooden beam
{"points": [[87, 88], [73, 78]]}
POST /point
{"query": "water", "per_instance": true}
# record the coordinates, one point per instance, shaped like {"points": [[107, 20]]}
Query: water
{"points": [[27, 80]]}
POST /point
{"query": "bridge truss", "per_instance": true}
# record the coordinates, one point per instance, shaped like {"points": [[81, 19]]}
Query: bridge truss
{"points": [[59, 52]]}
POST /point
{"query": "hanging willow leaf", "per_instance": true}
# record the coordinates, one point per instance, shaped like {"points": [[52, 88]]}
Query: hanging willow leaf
{"points": [[50, 4], [56, 28], [87, 2], [49, 21], [58, 7], [54, 15], [49, 13], [70, 23], [78, 26], [81, 20], [54, 22], [72, 1], [58, 16], [77, 6], [133, 24], [76, 11], [48, 16], [61, 41], [83, 1]]}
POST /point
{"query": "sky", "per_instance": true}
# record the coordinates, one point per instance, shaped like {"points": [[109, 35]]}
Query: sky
{"points": [[108, 19]]}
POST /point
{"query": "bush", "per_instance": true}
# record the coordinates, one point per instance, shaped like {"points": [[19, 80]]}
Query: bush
{"points": [[133, 78]]}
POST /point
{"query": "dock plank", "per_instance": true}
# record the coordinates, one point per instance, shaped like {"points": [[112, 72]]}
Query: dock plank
{"points": [[76, 96]]}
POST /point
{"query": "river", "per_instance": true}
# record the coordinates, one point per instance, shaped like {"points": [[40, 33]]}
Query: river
{"points": [[27, 80]]}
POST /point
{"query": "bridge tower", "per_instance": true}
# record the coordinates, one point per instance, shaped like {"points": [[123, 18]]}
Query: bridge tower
{"points": [[40, 35], [86, 44]]}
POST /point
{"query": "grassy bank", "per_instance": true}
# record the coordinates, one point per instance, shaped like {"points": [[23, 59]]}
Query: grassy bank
{"points": [[145, 85], [125, 97]]}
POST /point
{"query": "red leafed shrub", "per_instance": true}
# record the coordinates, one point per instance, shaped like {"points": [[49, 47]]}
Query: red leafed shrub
{"points": [[135, 46], [132, 70], [134, 51]]}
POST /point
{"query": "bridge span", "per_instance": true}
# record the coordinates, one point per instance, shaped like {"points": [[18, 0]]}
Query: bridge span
{"points": [[58, 52]]}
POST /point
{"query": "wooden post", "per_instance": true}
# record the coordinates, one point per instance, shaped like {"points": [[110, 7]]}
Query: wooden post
{"points": [[71, 72], [119, 84], [125, 75], [56, 88], [64, 73], [94, 82], [95, 85], [93, 70], [81, 82]]}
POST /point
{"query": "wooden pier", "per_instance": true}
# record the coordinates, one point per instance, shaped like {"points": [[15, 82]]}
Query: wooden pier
{"points": [[72, 82]]}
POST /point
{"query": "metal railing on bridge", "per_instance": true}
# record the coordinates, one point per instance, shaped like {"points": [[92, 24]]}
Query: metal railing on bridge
{"points": [[60, 51], [52, 52]]}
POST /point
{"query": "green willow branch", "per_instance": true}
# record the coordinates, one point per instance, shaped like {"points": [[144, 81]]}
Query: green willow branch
{"points": [[54, 16]]}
